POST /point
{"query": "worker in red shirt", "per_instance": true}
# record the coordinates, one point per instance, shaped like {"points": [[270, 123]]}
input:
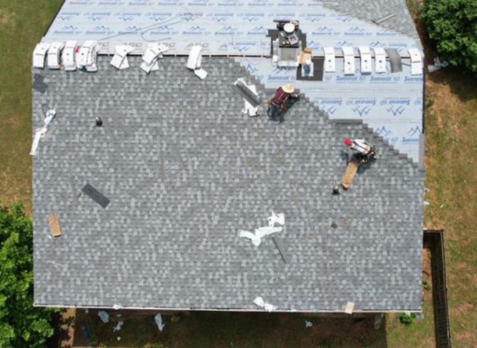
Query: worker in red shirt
{"points": [[283, 98]]}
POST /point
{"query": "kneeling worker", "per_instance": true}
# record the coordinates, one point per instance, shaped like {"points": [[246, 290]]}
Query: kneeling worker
{"points": [[361, 149], [284, 97]]}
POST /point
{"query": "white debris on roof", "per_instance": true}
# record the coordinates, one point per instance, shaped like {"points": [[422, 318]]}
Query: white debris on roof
{"points": [[194, 62], [261, 303], [276, 218], [88, 56], [69, 56], [54, 55], [151, 56], [117, 306], [42, 132], [120, 60], [118, 326], [39, 55], [330, 60], [349, 308], [159, 322], [437, 65], [104, 316], [259, 234]]}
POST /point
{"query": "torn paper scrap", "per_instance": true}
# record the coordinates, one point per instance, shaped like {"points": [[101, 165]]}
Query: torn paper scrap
{"points": [[261, 303], [260, 232], [159, 322], [349, 308], [118, 326], [255, 239], [103, 316], [276, 218]]}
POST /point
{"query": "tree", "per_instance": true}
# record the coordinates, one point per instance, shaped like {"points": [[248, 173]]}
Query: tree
{"points": [[21, 324], [452, 26]]}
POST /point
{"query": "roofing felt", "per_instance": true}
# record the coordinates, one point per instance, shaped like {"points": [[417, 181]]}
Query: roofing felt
{"points": [[184, 171], [233, 27], [390, 103]]}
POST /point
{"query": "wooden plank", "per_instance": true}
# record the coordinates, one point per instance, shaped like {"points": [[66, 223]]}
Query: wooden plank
{"points": [[55, 225], [348, 176]]}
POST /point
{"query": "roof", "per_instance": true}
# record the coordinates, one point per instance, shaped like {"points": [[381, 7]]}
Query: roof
{"points": [[374, 10], [185, 172], [231, 27]]}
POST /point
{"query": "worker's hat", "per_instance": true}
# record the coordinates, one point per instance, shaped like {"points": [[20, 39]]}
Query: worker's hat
{"points": [[288, 88], [348, 142]]}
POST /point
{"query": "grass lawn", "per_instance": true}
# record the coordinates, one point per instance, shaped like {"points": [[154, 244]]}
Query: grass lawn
{"points": [[451, 159]]}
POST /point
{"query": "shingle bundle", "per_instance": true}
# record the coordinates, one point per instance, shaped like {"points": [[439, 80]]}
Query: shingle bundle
{"points": [[120, 60], [153, 53], [87, 57]]}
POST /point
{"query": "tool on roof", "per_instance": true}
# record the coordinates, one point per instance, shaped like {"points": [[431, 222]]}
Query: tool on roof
{"points": [[98, 121], [43, 131], [194, 62], [54, 225], [120, 60], [39, 55], [54, 55], [69, 56]]}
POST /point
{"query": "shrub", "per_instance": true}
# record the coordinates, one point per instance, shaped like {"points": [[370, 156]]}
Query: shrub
{"points": [[407, 319], [452, 26], [21, 324]]}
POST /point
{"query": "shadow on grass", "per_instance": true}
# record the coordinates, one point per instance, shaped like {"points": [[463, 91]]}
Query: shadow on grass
{"points": [[244, 330]]}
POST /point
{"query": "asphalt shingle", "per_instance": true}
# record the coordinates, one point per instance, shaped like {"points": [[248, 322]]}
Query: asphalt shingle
{"points": [[184, 172]]}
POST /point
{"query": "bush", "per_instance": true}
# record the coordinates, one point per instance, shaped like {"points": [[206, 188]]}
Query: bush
{"points": [[407, 319], [452, 26], [21, 325]]}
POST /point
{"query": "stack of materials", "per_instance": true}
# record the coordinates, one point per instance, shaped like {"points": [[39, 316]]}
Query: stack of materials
{"points": [[39, 55], [87, 58], [54, 55], [120, 60], [194, 62], [69, 56], [153, 53], [250, 97]]}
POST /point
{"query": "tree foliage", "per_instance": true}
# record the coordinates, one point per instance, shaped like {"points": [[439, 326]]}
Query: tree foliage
{"points": [[21, 324], [452, 25]]}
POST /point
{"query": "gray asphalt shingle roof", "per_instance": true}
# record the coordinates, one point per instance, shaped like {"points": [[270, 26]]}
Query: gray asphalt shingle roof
{"points": [[184, 172]]}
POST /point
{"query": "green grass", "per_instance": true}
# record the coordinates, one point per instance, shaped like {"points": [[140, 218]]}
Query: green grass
{"points": [[22, 24]]}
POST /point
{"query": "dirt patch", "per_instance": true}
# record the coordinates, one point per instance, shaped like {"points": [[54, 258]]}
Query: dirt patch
{"points": [[206, 329], [6, 17]]}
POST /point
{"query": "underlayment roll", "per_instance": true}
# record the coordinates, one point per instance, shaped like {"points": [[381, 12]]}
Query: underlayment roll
{"points": [[247, 94]]}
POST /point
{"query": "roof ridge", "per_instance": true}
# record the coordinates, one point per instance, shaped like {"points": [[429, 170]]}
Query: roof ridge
{"points": [[368, 21]]}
